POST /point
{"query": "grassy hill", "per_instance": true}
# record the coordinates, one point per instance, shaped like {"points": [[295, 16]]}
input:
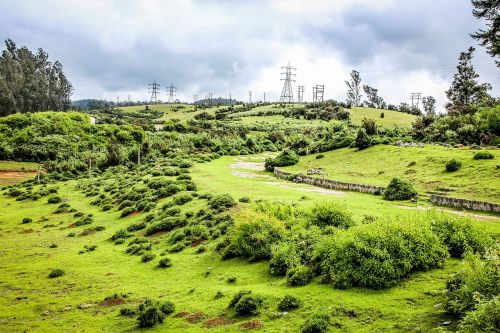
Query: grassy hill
{"points": [[424, 167], [390, 119]]}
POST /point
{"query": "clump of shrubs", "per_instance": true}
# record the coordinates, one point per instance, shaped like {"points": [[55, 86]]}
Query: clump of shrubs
{"points": [[329, 214], [244, 199], [183, 199], [149, 314], [164, 263], [284, 256], [56, 273], [399, 189], [245, 303], [483, 155], [54, 200], [167, 307], [298, 276], [285, 158], [127, 211], [147, 257], [453, 165], [27, 220], [222, 201], [289, 303], [317, 323]]}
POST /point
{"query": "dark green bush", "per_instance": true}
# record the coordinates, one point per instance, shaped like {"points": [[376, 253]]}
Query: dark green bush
{"points": [[246, 304], [222, 201], [236, 298], [244, 199], [147, 257], [27, 220], [317, 323], [486, 318], [121, 233], [461, 235], [319, 156], [166, 224], [483, 155], [329, 214], [298, 276], [378, 255], [176, 248], [150, 316], [54, 200], [183, 199], [56, 273], [362, 140], [127, 211], [127, 312], [399, 189], [167, 307], [284, 256], [453, 165], [289, 303], [136, 226], [285, 158], [164, 263]]}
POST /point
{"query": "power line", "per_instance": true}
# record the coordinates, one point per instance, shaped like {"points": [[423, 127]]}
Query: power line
{"points": [[154, 89], [171, 93], [318, 93], [300, 94], [415, 99], [287, 93]]}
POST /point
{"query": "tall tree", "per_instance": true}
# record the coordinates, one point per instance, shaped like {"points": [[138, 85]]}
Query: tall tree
{"points": [[465, 92], [354, 89], [429, 104], [490, 38], [373, 99]]}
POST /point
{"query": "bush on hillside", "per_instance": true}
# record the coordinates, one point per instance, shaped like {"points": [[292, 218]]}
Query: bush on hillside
{"points": [[378, 255], [329, 214], [298, 276], [167, 307], [56, 273], [289, 303], [127, 211], [246, 304], [284, 256], [453, 165], [483, 155], [121, 233], [222, 201], [285, 158], [27, 220], [317, 323], [486, 318], [164, 263], [399, 189], [183, 199], [166, 224], [362, 140], [147, 257], [150, 316], [54, 200]]}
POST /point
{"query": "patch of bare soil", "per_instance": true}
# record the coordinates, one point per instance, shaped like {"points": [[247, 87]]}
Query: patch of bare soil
{"points": [[112, 302], [217, 321], [257, 166], [307, 189], [196, 317], [181, 314], [252, 324], [456, 212], [243, 174]]}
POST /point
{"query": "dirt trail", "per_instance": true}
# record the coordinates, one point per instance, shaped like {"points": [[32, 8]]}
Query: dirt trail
{"points": [[312, 189], [455, 212]]}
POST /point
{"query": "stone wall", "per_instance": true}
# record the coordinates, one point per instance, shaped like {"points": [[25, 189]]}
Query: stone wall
{"points": [[327, 183], [464, 203]]}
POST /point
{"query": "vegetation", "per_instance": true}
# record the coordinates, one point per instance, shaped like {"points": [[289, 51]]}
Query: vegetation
{"points": [[399, 189]]}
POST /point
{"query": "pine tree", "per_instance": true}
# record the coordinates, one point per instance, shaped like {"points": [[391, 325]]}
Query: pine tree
{"points": [[465, 92], [354, 89], [490, 38]]}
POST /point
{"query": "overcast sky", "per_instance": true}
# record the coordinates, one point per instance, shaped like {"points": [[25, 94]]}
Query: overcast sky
{"points": [[114, 48]]}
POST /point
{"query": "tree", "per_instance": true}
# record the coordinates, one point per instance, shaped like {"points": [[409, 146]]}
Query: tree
{"points": [[373, 100], [362, 139], [354, 89], [369, 126], [429, 104], [490, 11], [465, 92]]}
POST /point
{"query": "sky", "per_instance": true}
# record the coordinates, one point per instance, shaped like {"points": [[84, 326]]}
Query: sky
{"points": [[113, 49]]}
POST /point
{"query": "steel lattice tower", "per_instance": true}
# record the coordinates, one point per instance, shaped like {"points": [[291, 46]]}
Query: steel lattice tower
{"points": [[154, 89], [287, 92], [171, 93], [300, 94], [318, 93]]}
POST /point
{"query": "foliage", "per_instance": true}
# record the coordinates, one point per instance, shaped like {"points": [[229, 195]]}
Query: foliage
{"points": [[317, 323], [488, 10], [247, 304], [289, 303], [167, 307], [399, 189], [453, 165], [27, 220], [54, 200], [485, 318], [56, 273], [362, 140], [330, 214], [285, 158], [373, 99], [150, 316], [164, 263], [284, 256], [298, 276], [354, 89], [483, 155], [222, 201]]}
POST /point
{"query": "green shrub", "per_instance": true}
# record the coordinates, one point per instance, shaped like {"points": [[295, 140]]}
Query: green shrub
{"points": [[127, 211], [285, 158], [27, 220], [147, 257], [164, 263], [150, 316], [284, 256], [231, 279], [127, 312], [329, 214], [183, 199], [378, 255], [362, 140], [298, 276], [136, 226], [167, 307], [460, 235], [317, 323], [244, 199], [54, 200], [166, 224], [289, 303], [486, 318], [176, 248], [248, 305], [483, 155], [319, 156], [453, 165], [121, 233], [399, 189], [56, 273], [222, 201]]}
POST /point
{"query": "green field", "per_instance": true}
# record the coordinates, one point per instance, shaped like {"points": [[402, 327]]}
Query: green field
{"points": [[169, 113], [377, 165], [390, 119], [33, 302]]}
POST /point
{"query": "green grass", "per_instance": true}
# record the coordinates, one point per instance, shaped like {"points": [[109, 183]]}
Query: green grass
{"points": [[377, 165], [16, 172], [32, 302], [183, 115], [18, 166], [390, 119]]}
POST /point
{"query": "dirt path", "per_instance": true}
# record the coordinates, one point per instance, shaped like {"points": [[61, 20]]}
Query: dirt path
{"points": [[309, 188], [455, 212]]}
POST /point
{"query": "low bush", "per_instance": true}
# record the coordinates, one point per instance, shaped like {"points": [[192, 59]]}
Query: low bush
{"points": [[284, 256], [167, 307], [317, 323], [245, 303], [285, 158], [121, 233], [183, 199], [176, 248], [298, 276], [164, 263], [399, 189], [150, 316], [289, 303], [127, 211], [166, 224], [222, 201], [54, 200], [329, 214], [136, 226], [486, 318], [27, 220], [128, 312], [378, 255], [453, 165], [319, 156], [244, 199], [147, 257], [56, 273], [483, 155]]}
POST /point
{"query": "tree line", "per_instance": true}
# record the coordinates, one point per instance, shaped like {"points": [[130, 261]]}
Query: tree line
{"points": [[30, 82]]}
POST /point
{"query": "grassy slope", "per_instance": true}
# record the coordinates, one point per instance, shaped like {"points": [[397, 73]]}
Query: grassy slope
{"points": [[15, 172], [21, 166], [182, 114], [477, 179], [33, 302], [390, 119]]}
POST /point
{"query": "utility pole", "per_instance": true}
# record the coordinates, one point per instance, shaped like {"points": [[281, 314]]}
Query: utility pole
{"points": [[264, 97], [300, 94], [171, 93], [415, 99], [230, 100], [154, 89], [318, 93], [195, 98], [210, 96], [287, 93], [250, 97]]}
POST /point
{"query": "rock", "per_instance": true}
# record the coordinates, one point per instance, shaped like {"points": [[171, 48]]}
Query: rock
{"points": [[438, 305], [85, 305], [67, 308], [446, 323], [46, 312]]}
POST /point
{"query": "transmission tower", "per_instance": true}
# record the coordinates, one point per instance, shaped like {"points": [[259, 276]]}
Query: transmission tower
{"points": [[171, 93], [318, 93], [264, 97], [300, 94], [415, 99], [195, 98], [287, 93], [154, 89], [250, 97], [210, 97]]}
